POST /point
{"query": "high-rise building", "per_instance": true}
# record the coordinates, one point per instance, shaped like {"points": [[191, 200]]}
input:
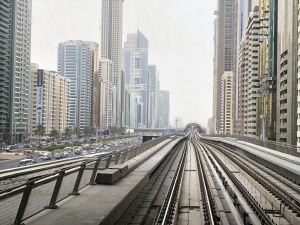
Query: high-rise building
{"points": [[225, 50], [111, 48], [15, 42], [135, 66], [244, 7], [77, 61], [298, 81], [286, 124], [48, 102], [106, 74], [164, 109], [227, 103], [249, 82], [153, 96], [268, 68]]}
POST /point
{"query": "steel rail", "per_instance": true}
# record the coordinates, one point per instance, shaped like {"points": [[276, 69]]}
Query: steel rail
{"points": [[291, 185], [163, 217], [251, 201], [208, 199], [270, 185]]}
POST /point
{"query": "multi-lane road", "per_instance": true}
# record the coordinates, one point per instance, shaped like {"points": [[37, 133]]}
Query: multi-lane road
{"points": [[7, 164]]}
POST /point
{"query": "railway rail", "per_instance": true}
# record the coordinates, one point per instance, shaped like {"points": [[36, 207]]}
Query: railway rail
{"points": [[274, 187]]}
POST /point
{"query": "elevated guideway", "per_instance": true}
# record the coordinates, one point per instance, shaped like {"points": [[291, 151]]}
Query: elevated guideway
{"points": [[187, 179]]}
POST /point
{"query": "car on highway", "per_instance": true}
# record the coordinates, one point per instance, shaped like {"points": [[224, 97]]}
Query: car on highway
{"points": [[84, 152], [26, 162], [66, 154], [46, 156], [57, 155], [93, 152], [77, 150]]}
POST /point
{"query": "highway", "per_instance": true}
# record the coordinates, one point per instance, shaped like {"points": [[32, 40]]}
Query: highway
{"points": [[7, 164]]}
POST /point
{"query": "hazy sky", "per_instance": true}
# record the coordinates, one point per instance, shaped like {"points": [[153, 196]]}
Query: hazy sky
{"points": [[180, 34]]}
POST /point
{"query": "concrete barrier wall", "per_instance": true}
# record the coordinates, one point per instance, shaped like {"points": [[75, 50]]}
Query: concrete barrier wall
{"points": [[277, 146]]}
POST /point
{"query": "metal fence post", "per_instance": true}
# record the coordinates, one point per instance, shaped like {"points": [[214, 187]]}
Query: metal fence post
{"points": [[108, 162], [92, 180], [52, 204], [77, 183], [117, 158], [124, 158], [23, 203]]}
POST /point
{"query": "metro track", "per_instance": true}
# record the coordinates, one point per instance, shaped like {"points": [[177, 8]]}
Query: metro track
{"points": [[278, 185], [213, 175]]}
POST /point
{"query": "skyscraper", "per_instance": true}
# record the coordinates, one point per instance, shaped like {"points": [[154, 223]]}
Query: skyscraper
{"points": [[164, 109], [251, 76], [15, 42], [48, 102], [153, 97], [111, 48], [225, 50], [286, 124], [76, 60], [227, 103], [135, 65], [106, 74], [268, 68]]}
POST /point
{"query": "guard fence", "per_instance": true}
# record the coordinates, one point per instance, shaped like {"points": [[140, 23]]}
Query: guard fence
{"points": [[24, 201]]}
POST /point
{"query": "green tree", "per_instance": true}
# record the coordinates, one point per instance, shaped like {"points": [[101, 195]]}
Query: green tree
{"points": [[40, 131], [76, 131], [68, 132], [86, 131], [54, 134]]}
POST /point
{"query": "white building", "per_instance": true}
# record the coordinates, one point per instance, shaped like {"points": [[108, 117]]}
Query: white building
{"points": [[153, 96], [135, 66], [164, 109], [227, 103], [48, 102], [76, 60], [249, 83], [111, 48], [106, 74]]}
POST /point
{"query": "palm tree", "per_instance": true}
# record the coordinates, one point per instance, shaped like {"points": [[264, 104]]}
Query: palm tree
{"points": [[54, 134], [86, 131], [76, 131], [40, 131], [68, 132]]}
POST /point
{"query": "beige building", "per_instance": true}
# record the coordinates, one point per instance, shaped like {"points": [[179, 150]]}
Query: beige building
{"points": [[249, 82], [225, 53], [286, 123], [105, 101], [227, 103], [48, 102]]}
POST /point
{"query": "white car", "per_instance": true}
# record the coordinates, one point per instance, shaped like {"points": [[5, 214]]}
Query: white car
{"points": [[84, 152], [93, 152]]}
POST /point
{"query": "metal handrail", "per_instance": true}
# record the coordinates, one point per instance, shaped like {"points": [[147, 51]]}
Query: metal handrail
{"points": [[59, 175]]}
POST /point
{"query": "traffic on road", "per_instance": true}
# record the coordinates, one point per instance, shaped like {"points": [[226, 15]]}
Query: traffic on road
{"points": [[33, 157]]}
